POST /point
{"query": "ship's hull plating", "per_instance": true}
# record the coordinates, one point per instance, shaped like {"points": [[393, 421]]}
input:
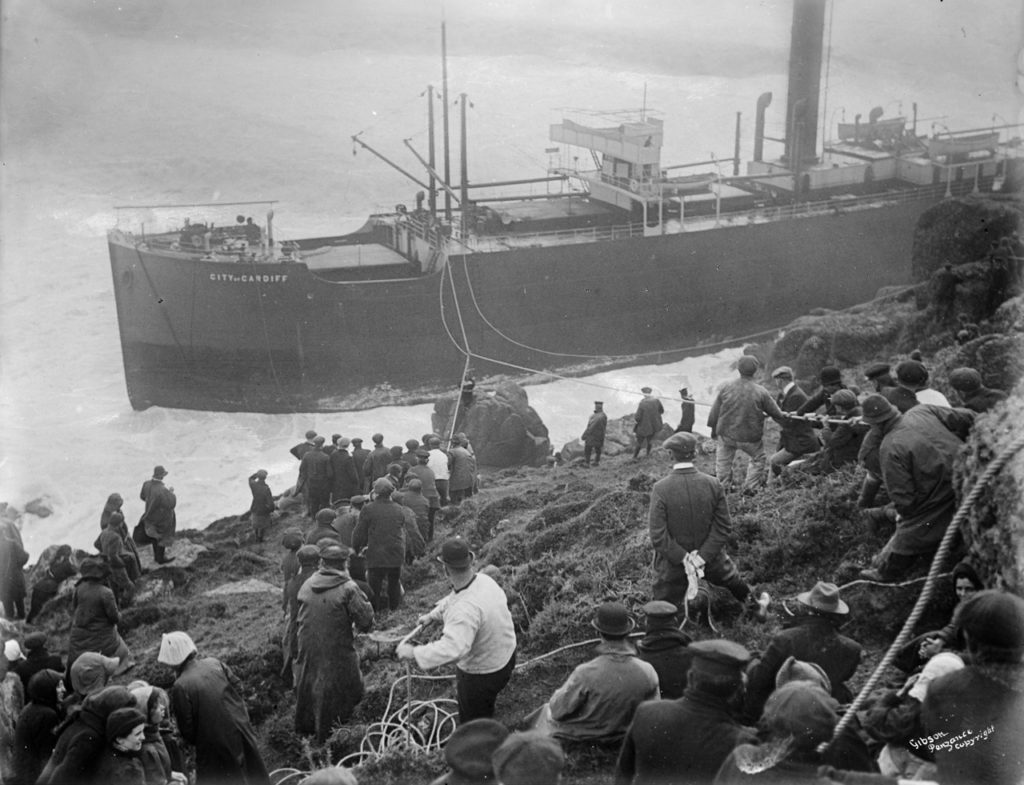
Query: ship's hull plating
{"points": [[277, 338]]}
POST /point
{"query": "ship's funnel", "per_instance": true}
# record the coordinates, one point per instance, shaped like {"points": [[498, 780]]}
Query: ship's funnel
{"points": [[805, 49]]}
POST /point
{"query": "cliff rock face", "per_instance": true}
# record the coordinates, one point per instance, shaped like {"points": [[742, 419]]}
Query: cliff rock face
{"points": [[994, 530], [501, 425], [962, 230]]}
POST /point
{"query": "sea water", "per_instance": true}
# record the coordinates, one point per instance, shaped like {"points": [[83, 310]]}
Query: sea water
{"points": [[108, 103]]}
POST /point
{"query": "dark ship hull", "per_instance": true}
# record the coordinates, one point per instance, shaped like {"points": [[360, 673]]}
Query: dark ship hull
{"points": [[280, 338]]}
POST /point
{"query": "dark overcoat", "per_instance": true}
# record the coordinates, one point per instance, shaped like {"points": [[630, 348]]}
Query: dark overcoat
{"points": [[597, 427], [94, 620], [212, 717], [159, 519], [667, 650], [385, 532], [328, 681], [648, 417], [667, 738], [796, 436], [346, 478]]}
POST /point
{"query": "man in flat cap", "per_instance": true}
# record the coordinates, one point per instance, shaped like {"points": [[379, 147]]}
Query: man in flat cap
{"points": [[593, 434], [597, 701], [345, 478], [665, 647], [695, 733], [315, 478], [359, 456], [796, 436], [913, 375], [376, 464], [386, 533], [328, 683], [159, 520], [916, 455], [262, 505], [648, 421], [528, 758], [302, 448], [736, 419], [468, 753], [973, 394], [689, 525], [478, 634], [422, 472]]}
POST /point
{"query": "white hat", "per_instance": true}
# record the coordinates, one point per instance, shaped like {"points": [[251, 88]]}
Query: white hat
{"points": [[12, 651], [175, 648], [942, 663]]}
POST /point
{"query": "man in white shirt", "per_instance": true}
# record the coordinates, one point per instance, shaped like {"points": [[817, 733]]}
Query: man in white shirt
{"points": [[478, 635], [439, 464]]}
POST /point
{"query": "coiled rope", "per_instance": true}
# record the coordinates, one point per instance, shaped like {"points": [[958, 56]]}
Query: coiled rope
{"points": [[929, 587]]}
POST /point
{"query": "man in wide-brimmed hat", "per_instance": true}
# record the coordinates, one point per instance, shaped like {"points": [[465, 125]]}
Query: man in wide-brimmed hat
{"points": [[478, 634], [597, 701], [810, 634]]}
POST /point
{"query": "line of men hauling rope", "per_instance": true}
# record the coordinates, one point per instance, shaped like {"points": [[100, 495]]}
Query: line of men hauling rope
{"points": [[689, 525]]}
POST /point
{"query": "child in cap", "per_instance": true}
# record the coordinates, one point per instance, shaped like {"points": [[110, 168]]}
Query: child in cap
{"points": [[120, 763]]}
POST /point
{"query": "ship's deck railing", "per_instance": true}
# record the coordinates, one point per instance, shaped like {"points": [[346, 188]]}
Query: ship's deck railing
{"points": [[705, 222]]}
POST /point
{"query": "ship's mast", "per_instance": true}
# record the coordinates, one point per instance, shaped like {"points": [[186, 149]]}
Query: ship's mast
{"points": [[805, 50], [464, 162], [444, 114], [431, 155]]}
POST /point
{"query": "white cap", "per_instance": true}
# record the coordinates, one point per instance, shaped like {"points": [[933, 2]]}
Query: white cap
{"points": [[942, 663], [175, 648], [12, 651]]}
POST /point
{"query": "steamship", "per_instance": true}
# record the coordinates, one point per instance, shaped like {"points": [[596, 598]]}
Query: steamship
{"points": [[635, 262]]}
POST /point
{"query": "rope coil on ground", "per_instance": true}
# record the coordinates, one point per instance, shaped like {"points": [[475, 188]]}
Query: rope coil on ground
{"points": [[926, 593]]}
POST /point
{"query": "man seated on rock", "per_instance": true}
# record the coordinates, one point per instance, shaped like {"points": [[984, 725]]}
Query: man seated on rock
{"points": [[972, 393], [665, 647], [842, 440], [686, 740], [810, 634], [916, 457], [597, 702]]}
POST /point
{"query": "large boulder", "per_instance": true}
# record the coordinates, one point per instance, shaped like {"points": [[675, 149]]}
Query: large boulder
{"points": [[956, 231], [501, 425], [618, 439]]}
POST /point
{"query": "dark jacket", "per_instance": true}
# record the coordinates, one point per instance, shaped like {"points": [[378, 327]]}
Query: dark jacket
{"points": [[463, 469], [94, 620], [383, 530], [328, 681], [211, 716], [648, 417], [988, 702], [262, 496], [739, 410], [120, 768], [666, 649], [916, 455], [111, 546], [359, 456], [688, 512], [596, 428], [13, 557], [154, 757], [843, 442], [301, 449], [291, 606], [796, 436], [159, 518], [81, 739], [33, 734], [376, 463], [345, 484], [684, 740], [821, 397], [315, 471], [810, 639], [983, 399], [426, 476], [37, 660]]}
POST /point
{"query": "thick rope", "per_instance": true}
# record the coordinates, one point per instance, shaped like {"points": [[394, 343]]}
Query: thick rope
{"points": [[929, 587]]}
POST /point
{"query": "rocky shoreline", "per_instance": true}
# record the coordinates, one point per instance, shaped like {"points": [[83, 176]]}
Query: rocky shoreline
{"points": [[566, 537]]}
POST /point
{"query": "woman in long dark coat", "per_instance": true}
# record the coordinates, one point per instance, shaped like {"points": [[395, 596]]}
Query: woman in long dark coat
{"points": [[95, 617], [12, 571], [212, 717], [328, 681], [113, 506]]}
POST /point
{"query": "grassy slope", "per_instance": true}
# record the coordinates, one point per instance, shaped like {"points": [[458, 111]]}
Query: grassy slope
{"points": [[566, 539]]}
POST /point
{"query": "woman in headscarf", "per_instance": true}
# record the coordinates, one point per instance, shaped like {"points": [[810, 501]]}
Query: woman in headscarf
{"points": [[211, 715], [113, 507], [95, 617], [111, 545], [154, 755], [82, 737], [34, 737]]}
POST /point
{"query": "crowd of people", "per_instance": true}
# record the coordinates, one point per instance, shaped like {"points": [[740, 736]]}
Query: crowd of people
{"points": [[671, 708]]}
